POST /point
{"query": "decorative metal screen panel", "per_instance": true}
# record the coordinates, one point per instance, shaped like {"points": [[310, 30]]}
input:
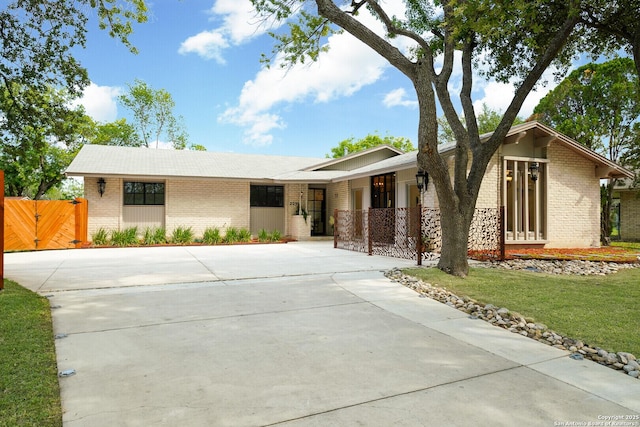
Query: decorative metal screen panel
{"points": [[393, 232], [351, 229]]}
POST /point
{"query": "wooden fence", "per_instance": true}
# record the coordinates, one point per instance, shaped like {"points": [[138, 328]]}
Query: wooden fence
{"points": [[44, 224]]}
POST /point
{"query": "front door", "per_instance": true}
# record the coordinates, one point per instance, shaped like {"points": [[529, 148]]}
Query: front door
{"points": [[317, 211]]}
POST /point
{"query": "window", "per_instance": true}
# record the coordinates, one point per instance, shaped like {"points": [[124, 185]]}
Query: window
{"points": [[143, 193], [269, 196], [383, 191], [525, 201]]}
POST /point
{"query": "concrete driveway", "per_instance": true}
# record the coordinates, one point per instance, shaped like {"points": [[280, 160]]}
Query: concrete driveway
{"points": [[298, 335]]}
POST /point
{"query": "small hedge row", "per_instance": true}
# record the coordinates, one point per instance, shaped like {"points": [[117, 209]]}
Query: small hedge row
{"points": [[131, 236]]}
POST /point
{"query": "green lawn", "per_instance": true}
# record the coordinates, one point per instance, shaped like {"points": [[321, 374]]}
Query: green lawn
{"points": [[626, 245], [29, 391], [599, 310]]}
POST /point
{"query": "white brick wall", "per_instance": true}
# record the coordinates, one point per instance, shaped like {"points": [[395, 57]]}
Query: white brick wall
{"points": [[573, 209], [106, 211], [206, 203]]}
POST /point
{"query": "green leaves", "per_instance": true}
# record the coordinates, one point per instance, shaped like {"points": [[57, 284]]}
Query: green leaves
{"points": [[598, 105], [40, 136], [153, 115], [350, 145], [303, 40]]}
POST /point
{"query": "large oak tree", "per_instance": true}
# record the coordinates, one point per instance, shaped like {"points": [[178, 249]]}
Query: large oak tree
{"points": [[514, 41]]}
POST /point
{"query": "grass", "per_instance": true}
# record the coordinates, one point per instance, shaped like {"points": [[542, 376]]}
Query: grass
{"points": [[601, 311], [630, 246], [29, 391]]}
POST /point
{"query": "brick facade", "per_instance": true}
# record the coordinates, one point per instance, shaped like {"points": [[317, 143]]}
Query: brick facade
{"points": [[106, 211], [573, 206], [206, 203], [630, 215]]}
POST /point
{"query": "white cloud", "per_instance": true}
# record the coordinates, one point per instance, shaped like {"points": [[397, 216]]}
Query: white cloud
{"points": [[100, 102], [498, 96], [239, 25], [398, 98], [207, 44], [347, 67]]}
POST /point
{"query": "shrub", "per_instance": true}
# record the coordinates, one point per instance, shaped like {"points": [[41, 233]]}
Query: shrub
{"points": [[154, 236], [231, 236], [182, 235], [100, 237], [275, 236], [211, 236], [126, 237], [244, 235], [263, 236]]}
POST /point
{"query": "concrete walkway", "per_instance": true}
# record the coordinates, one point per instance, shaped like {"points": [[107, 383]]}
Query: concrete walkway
{"points": [[298, 335]]}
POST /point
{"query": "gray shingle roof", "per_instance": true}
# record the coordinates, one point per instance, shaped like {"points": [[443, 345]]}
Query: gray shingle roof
{"points": [[99, 160]]}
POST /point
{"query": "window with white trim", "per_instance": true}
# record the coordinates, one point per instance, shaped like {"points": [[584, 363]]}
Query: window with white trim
{"points": [[525, 200]]}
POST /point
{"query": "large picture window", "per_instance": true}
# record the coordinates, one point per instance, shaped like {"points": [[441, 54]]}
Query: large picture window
{"points": [[269, 196], [143, 193], [525, 201]]}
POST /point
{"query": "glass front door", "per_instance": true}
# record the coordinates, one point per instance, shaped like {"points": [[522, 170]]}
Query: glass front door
{"points": [[316, 206]]}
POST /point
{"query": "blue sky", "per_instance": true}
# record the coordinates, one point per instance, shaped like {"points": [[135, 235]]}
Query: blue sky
{"points": [[206, 54]]}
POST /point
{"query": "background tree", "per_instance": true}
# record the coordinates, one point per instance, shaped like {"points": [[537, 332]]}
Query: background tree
{"points": [[514, 41], [153, 116], [598, 105], [617, 27], [39, 77], [118, 132], [351, 145], [36, 151], [488, 121]]}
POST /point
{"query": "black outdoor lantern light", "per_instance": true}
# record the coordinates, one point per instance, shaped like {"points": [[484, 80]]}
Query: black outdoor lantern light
{"points": [[101, 186], [534, 168], [422, 179]]}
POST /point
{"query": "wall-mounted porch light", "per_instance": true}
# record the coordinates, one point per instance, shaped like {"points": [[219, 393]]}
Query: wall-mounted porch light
{"points": [[102, 184], [534, 169], [422, 179]]}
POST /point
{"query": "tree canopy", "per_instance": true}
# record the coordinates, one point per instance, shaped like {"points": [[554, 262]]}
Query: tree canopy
{"points": [[598, 105], [35, 152], [39, 79], [153, 115], [510, 41], [351, 145]]}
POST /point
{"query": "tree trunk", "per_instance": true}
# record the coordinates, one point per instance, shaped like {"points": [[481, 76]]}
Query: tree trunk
{"points": [[605, 218], [455, 236]]}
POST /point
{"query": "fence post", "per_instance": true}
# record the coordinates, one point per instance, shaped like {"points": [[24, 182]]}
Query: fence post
{"points": [[335, 228], [369, 232], [1, 230], [81, 219], [419, 235], [501, 230]]}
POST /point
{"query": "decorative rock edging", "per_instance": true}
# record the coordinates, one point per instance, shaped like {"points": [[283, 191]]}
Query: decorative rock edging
{"points": [[502, 317], [575, 267]]}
